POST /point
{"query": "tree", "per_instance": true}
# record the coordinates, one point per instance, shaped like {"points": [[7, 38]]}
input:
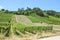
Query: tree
{"points": [[45, 14], [51, 12], [28, 11], [57, 14], [6, 11], [38, 11], [21, 11], [2, 9]]}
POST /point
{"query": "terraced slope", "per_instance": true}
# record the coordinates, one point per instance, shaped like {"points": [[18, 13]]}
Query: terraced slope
{"points": [[24, 20]]}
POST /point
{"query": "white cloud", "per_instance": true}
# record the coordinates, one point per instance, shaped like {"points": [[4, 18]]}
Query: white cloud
{"points": [[1, 7]]}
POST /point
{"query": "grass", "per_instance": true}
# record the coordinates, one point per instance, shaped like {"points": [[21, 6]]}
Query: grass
{"points": [[50, 19], [5, 17], [32, 29], [5, 22]]}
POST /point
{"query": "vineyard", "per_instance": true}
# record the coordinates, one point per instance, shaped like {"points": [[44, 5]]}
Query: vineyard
{"points": [[29, 19], [21, 26], [32, 29], [5, 23], [9, 26]]}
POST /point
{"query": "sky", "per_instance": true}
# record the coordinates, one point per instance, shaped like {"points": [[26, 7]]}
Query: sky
{"points": [[43, 4]]}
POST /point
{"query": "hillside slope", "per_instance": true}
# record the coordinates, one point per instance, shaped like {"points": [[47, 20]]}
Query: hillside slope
{"points": [[25, 20]]}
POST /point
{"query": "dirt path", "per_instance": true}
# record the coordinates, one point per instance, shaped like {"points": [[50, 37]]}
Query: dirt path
{"points": [[32, 37]]}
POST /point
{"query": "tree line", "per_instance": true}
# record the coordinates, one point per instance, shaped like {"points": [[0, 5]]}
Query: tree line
{"points": [[33, 11]]}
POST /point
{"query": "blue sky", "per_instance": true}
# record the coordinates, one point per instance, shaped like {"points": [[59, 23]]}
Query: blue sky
{"points": [[43, 4]]}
